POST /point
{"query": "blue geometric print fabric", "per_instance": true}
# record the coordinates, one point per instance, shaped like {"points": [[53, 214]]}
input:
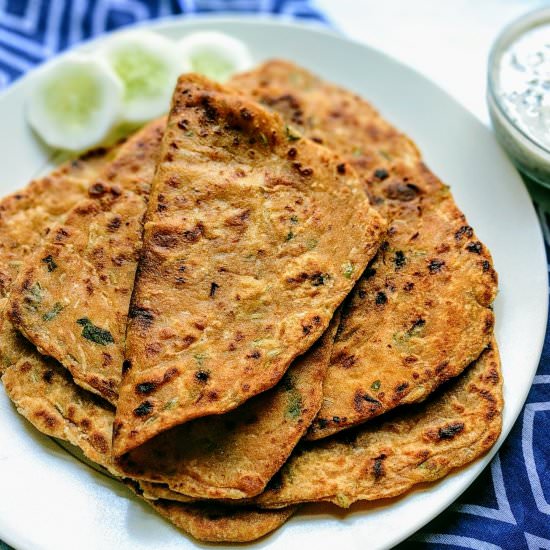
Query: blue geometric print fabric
{"points": [[508, 507], [34, 30]]}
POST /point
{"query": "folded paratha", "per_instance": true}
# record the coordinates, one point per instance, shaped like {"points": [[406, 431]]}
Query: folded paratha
{"points": [[44, 393], [72, 296], [26, 218], [228, 456], [262, 435], [216, 522], [37, 384], [234, 455], [253, 237], [422, 310], [214, 461], [417, 443]]}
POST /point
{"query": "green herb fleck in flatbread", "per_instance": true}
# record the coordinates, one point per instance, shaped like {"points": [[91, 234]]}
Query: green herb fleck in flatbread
{"points": [[348, 269], [94, 333], [294, 404], [291, 134], [56, 309]]}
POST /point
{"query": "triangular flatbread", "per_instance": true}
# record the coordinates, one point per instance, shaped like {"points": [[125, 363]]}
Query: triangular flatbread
{"points": [[421, 312], [253, 237], [390, 455], [72, 296]]}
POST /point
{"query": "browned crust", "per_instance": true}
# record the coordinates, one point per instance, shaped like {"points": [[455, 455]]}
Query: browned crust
{"points": [[45, 394], [26, 217], [216, 522], [421, 312], [386, 458], [72, 296], [234, 455], [234, 184]]}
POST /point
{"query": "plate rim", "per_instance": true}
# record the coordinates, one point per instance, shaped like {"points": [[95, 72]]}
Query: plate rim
{"points": [[173, 21]]}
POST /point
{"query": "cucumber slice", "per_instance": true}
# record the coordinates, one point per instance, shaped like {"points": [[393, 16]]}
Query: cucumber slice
{"points": [[74, 103], [148, 65], [215, 55]]}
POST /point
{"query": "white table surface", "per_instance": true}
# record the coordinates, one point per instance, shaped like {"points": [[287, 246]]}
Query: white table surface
{"points": [[446, 40]]}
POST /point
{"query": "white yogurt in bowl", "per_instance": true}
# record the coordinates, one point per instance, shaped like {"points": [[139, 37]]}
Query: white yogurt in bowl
{"points": [[519, 93]]}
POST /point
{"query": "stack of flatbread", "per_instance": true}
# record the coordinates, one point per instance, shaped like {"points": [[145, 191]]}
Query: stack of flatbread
{"points": [[262, 300]]}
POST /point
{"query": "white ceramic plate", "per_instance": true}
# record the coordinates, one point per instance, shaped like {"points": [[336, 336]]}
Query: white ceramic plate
{"points": [[50, 500]]}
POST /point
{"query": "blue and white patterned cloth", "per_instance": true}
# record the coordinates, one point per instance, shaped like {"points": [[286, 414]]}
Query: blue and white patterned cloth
{"points": [[34, 30], [508, 507]]}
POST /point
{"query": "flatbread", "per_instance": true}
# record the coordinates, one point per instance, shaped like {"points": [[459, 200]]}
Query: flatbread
{"points": [[47, 396], [156, 491], [216, 522], [422, 310], [249, 454], [25, 219], [25, 214], [71, 299], [262, 433], [234, 455], [417, 444], [41, 389], [253, 236], [44, 393]]}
